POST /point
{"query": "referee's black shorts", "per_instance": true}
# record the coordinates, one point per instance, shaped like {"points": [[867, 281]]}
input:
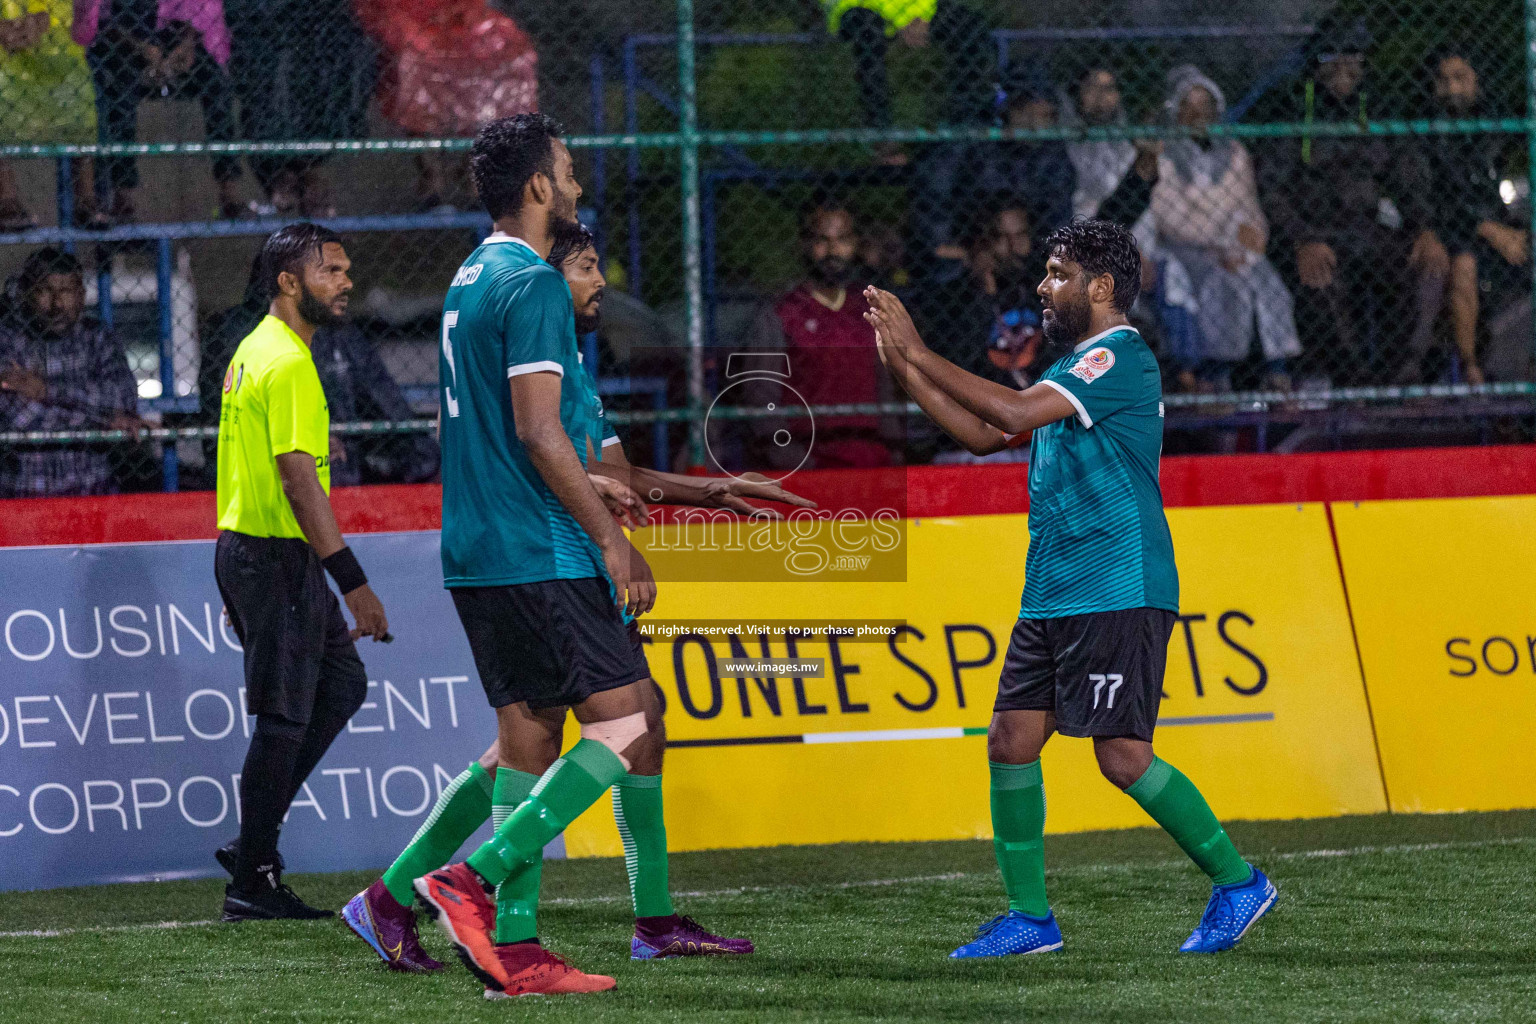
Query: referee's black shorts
{"points": [[1101, 673], [297, 646], [550, 643]]}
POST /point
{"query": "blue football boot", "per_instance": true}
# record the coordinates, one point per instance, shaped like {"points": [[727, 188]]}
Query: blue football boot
{"points": [[1011, 934], [1232, 911]]}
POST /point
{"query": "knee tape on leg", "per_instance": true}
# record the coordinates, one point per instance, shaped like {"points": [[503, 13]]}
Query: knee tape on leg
{"points": [[616, 734]]}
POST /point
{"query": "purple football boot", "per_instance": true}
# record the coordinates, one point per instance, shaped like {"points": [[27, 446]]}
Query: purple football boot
{"points": [[380, 920], [657, 938]]}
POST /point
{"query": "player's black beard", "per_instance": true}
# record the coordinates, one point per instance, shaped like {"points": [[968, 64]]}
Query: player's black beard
{"points": [[562, 217], [587, 324], [1064, 326], [314, 311]]}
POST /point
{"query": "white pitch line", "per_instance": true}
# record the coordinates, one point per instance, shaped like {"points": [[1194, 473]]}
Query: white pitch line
{"points": [[870, 883], [53, 933]]}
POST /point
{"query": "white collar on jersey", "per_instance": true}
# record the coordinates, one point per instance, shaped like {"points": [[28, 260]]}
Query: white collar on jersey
{"points": [[1104, 334], [502, 236]]}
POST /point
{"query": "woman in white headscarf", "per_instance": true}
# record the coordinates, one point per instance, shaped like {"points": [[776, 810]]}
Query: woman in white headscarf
{"points": [[1206, 208]]}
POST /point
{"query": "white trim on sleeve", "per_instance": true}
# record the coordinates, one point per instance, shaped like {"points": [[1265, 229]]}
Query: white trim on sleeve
{"points": [[543, 366], [1082, 413], [611, 440]]}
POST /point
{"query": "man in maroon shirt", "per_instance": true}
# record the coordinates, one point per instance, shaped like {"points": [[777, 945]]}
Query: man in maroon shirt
{"points": [[820, 325]]}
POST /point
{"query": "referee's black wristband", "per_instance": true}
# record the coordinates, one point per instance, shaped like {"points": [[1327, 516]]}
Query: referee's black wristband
{"points": [[345, 571]]}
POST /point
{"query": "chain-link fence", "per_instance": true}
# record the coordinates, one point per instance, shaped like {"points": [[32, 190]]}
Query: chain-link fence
{"points": [[1332, 201]]}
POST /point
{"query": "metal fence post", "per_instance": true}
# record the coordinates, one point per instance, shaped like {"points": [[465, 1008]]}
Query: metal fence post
{"points": [[693, 281], [1530, 138]]}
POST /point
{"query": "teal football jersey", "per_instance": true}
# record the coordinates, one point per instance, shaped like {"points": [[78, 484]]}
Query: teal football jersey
{"points": [[1098, 538], [508, 312]]}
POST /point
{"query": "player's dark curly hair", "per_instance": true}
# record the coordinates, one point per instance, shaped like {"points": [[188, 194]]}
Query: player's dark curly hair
{"points": [[1101, 247], [506, 153], [571, 240], [290, 249]]}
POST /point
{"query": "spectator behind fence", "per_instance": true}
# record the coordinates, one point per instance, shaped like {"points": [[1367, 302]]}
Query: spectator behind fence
{"points": [[59, 371], [987, 320], [357, 386], [1353, 214], [1114, 180], [46, 97], [960, 34], [832, 359], [302, 69], [1488, 256], [1036, 175], [140, 49], [1206, 207]]}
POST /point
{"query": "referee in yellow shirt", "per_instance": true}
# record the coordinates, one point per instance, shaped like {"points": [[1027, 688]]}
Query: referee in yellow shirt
{"points": [[278, 539]]}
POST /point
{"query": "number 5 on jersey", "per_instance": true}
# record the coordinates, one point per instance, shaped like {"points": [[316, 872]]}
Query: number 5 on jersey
{"points": [[450, 319], [1098, 682]]}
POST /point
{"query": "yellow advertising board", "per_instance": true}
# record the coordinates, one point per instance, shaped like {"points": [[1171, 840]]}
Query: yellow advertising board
{"points": [[1263, 704], [1445, 612]]}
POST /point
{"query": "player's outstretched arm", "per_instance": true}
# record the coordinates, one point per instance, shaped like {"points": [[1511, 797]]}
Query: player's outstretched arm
{"points": [[536, 411], [1012, 412], [703, 492], [975, 434], [626, 507]]}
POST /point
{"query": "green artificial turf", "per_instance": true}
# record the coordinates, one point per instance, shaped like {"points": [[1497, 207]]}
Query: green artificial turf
{"points": [[1390, 918]]}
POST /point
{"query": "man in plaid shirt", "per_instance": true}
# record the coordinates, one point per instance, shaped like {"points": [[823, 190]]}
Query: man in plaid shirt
{"points": [[60, 372]]}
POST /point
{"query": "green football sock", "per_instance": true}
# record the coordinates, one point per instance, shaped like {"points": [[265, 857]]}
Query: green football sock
{"points": [[572, 784], [463, 805], [517, 899], [1018, 834], [643, 829], [1172, 800]]}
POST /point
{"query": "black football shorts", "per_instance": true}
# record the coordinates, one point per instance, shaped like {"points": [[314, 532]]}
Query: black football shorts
{"points": [[1101, 673], [549, 643]]}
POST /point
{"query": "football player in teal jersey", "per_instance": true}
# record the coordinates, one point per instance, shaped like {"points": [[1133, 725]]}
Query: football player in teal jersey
{"points": [[503, 935], [1101, 592]]}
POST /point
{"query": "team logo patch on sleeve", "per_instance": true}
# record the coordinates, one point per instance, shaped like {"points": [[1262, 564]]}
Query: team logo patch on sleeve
{"points": [[1094, 364]]}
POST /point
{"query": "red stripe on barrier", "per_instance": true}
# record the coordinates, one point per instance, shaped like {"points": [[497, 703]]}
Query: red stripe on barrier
{"points": [[921, 491]]}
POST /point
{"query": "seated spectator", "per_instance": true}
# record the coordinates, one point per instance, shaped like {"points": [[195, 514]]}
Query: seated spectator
{"points": [[1353, 214], [48, 99], [987, 321], [1114, 180], [167, 48], [1206, 208], [1468, 216], [1037, 175], [59, 371], [820, 324], [357, 385]]}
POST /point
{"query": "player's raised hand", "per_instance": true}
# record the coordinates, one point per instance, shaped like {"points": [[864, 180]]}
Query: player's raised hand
{"points": [[891, 321], [626, 505], [634, 588]]}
